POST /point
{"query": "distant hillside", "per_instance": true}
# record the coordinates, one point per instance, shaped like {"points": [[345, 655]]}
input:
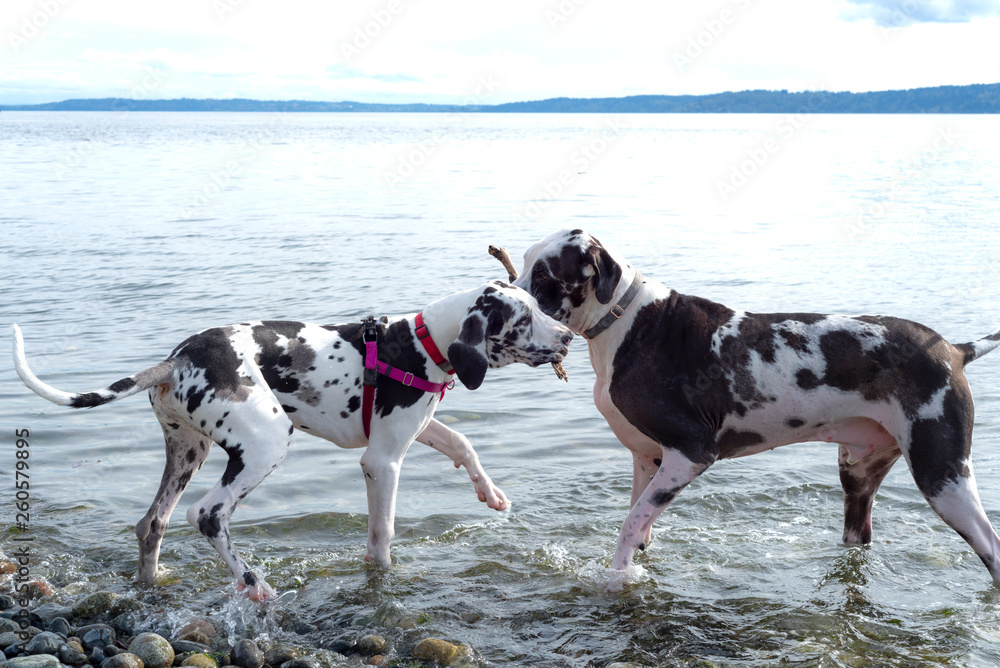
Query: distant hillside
{"points": [[974, 99]]}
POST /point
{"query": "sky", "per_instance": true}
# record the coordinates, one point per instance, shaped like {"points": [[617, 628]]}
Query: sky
{"points": [[445, 51]]}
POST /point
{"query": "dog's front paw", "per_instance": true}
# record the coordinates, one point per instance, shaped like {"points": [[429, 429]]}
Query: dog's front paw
{"points": [[253, 587], [489, 493]]}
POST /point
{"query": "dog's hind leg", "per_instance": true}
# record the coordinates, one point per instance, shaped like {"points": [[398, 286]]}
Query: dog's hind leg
{"points": [[186, 452], [258, 435], [938, 453], [861, 479]]}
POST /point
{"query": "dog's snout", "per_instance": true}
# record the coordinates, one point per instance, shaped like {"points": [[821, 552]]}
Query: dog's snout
{"points": [[566, 337]]}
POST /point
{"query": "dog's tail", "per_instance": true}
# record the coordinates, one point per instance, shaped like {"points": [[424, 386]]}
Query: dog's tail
{"points": [[976, 349], [125, 387]]}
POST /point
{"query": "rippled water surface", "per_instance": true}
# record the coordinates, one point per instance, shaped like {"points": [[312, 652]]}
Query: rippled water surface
{"points": [[124, 233]]}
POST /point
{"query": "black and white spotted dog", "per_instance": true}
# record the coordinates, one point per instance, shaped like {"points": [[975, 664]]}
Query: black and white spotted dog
{"points": [[683, 382], [249, 385]]}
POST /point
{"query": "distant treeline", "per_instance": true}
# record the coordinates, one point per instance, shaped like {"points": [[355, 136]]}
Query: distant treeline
{"points": [[974, 99]]}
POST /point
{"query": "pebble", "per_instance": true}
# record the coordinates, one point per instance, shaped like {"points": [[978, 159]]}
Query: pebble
{"points": [[44, 643], [122, 660], [6, 602], [199, 661], [97, 656], [436, 650], [37, 661], [303, 662], [186, 646], [71, 655], [198, 624], [377, 660], [94, 604], [373, 644], [279, 655], [96, 635], [50, 611], [153, 649], [8, 625], [246, 654], [196, 636], [61, 626]]}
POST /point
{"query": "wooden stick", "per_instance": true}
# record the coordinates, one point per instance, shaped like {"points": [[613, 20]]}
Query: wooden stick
{"points": [[501, 254]]}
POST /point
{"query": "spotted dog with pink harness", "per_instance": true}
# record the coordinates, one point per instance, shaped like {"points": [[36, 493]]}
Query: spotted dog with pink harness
{"points": [[684, 382], [248, 386]]}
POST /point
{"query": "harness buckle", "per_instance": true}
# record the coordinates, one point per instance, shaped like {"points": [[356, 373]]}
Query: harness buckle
{"points": [[370, 332], [617, 311], [407, 379]]}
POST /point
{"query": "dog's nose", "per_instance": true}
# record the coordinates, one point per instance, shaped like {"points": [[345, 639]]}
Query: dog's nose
{"points": [[567, 337]]}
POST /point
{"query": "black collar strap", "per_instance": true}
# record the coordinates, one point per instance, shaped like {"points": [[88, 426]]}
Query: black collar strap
{"points": [[618, 310]]}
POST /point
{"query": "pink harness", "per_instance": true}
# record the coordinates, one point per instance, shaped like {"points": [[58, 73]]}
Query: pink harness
{"points": [[373, 366]]}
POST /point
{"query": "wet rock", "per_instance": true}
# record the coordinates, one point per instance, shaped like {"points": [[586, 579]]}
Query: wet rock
{"points": [[246, 654], [75, 644], [71, 655], [124, 605], [95, 604], [7, 567], [112, 650], [37, 589], [96, 635], [435, 650], [373, 644], [44, 643], [8, 638], [122, 660], [199, 661], [49, 611], [187, 647], [377, 660], [281, 654], [61, 626], [301, 662], [37, 661], [196, 636], [153, 649], [97, 656], [8, 625], [6, 602], [197, 624], [125, 623]]}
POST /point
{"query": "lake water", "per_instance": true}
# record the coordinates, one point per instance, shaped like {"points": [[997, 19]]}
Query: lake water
{"points": [[123, 233]]}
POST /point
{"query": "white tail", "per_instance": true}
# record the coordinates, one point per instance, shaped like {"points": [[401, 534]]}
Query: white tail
{"points": [[125, 387]]}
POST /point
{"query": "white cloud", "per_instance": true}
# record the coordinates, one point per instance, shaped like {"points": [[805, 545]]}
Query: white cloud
{"points": [[441, 50]]}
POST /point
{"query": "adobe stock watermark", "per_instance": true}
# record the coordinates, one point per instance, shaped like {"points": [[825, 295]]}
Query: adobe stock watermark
{"points": [[562, 12], [760, 155], [32, 25], [712, 30], [365, 34], [223, 8], [412, 159], [578, 162], [913, 170]]}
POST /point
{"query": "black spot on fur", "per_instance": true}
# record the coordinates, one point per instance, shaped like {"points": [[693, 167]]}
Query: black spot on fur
{"points": [[657, 462], [794, 423], [732, 441], [806, 379], [122, 385], [249, 579], [939, 448], [235, 465], [90, 400], [210, 525], [664, 496], [287, 409], [354, 403]]}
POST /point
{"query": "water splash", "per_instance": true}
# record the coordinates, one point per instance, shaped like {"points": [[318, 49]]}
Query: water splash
{"points": [[611, 579]]}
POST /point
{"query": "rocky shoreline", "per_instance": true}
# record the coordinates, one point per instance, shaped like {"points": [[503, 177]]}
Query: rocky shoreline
{"points": [[111, 630]]}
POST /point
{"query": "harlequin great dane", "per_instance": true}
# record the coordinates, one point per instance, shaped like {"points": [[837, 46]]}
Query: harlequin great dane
{"points": [[683, 382], [249, 385]]}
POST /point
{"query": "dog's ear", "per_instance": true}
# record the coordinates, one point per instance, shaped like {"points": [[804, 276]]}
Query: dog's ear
{"points": [[607, 272], [469, 363], [468, 353]]}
